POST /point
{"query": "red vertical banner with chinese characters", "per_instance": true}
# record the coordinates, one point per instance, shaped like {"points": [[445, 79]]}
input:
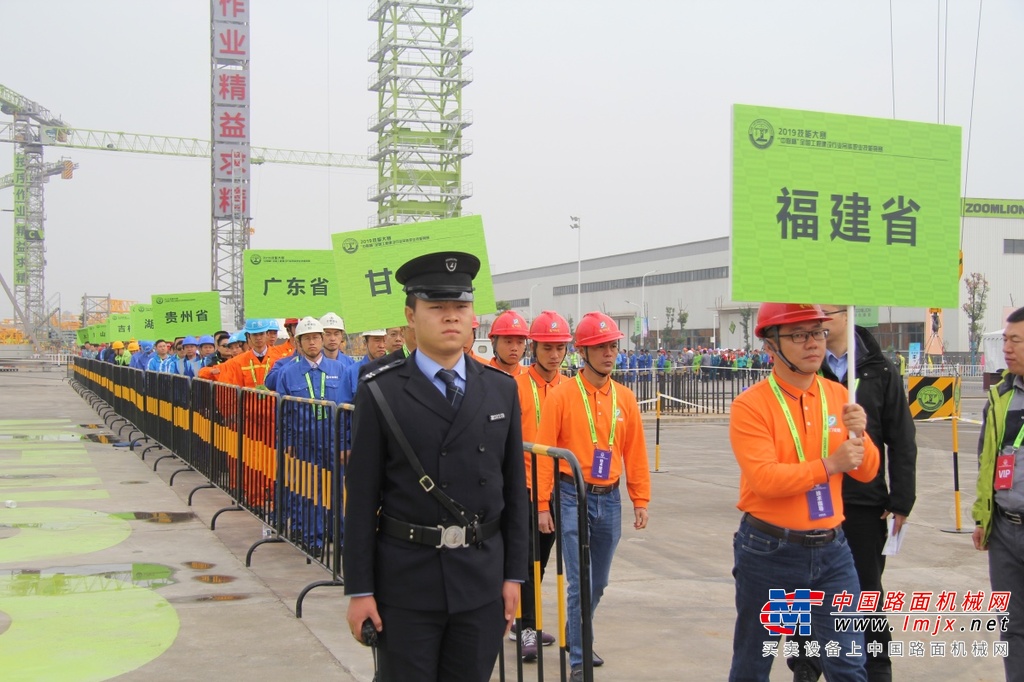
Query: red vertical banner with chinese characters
{"points": [[230, 123]]}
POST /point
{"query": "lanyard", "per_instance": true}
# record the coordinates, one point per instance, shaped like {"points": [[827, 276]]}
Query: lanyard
{"points": [[590, 415], [323, 384], [1020, 434], [789, 418]]}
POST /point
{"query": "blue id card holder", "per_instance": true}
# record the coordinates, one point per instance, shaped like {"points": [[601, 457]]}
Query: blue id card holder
{"points": [[819, 502], [601, 469]]}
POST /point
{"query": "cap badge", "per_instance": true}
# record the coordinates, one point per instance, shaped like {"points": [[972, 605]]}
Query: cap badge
{"points": [[451, 264]]}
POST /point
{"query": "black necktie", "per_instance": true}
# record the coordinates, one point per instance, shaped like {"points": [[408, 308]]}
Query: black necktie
{"points": [[452, 392]]}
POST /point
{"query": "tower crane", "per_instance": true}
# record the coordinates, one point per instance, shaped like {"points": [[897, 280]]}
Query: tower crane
{"points": [[33, 128]]}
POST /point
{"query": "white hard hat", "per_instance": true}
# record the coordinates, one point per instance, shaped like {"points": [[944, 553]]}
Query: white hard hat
{"points": [[308, 325], [332, 321], [376, 332]]}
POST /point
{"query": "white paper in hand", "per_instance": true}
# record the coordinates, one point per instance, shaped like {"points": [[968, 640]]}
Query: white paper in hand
{"points": [[893, 542]]}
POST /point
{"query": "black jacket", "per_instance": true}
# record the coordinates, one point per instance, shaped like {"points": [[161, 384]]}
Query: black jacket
{"points": [[475, 455], [880, 393]]}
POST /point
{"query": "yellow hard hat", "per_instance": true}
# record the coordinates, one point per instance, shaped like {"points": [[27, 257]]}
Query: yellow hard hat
{"points": [[117, 345]]}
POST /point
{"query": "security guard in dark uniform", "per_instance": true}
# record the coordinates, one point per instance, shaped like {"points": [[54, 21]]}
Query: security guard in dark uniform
{"points": [[435, 558]]}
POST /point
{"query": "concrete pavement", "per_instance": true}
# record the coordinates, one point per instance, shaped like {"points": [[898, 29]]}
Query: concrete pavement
{"points": [[667, 615]]}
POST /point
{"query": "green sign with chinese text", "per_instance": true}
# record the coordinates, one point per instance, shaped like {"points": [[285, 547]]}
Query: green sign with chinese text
{"points": [[290, 283], [192, 314], [844, 208], [119, 327], [992, 208], [142, 321], [367, 260]]}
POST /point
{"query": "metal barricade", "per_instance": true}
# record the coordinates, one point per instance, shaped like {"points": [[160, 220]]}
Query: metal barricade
{"points": [[258, 452]]}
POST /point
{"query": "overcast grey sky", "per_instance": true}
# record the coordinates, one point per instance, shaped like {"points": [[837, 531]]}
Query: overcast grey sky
{"points": [[615, 112]]}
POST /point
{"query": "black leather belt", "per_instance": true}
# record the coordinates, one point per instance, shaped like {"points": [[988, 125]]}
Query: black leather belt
{"points": [[1012, 517], [590, 487], [807, 538], [439, 536]]}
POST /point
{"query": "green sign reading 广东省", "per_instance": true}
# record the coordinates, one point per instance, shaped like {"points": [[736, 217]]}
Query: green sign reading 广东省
{"points": [[191, 314], [367, 260], [844, 208], [290, 283]]}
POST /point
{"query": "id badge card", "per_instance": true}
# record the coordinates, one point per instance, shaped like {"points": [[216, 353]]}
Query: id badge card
{"points": [[1004, 469], [601, 469], [819, 502]]}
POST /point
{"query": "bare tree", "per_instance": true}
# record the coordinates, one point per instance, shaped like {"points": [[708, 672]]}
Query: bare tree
{"points": [[977, 301]]}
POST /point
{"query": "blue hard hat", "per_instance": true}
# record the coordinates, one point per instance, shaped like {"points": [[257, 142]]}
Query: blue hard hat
{"points": [[146, 345], [189, 341], [256, 326], [272, 325], [237, 337], [206, 339]]}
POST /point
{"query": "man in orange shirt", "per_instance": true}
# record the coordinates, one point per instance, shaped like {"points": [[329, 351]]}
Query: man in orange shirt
{"points": [[550, 336], [599, 421], [794, 436], [508, 339]]}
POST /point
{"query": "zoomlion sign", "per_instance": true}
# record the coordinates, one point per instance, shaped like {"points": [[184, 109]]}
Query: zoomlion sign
{"points": [[934, 397], [992, 208]]}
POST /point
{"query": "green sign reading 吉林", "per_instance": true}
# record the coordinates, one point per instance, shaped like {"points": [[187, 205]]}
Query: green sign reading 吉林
{"points": [[992, 208], [367, 260], [290, 283], [844, 208], [142, 321], [192, 314], [119, 326]]}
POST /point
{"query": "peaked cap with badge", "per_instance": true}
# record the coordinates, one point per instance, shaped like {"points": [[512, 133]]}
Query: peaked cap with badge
{"points": [[442, 276]]}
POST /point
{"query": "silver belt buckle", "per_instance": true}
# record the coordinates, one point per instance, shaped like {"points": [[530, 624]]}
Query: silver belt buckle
{"points": [[452, 537]]}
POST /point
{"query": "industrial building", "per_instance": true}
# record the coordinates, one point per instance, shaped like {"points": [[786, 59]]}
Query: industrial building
{"points": [[693, 278]]}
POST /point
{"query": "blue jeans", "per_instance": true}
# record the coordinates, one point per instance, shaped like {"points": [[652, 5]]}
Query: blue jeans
{"points": [[763, 563], [604, 515]]}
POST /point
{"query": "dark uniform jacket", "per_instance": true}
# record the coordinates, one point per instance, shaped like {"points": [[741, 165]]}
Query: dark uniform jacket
{"points": [[880, 393], [474, 455]]}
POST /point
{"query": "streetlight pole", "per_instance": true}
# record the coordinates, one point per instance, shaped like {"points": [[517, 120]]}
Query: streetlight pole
{"points": [[643, 306], [532, 287], [575, 225], [641, 315]]}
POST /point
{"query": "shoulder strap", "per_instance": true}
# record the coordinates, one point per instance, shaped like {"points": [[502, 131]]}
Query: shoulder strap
{"points": [[424, 480]]}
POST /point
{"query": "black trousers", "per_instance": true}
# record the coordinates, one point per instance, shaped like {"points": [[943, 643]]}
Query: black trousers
{"points": [[437, 646], [527, 603], [866, 534]]}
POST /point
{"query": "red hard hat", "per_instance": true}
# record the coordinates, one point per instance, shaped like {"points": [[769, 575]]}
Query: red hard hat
{"points": [[476, 322], [550, 327], [772, 314], [596, 328], [509, 323], [290, 321]]}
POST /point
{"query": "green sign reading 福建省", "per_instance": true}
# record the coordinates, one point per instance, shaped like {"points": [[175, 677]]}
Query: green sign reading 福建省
{"points": [[192, 314], [290, 283], [367, 260], [844, 208]]}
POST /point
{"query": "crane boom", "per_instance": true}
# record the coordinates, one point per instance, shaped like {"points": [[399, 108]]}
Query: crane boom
{"points": [[53, 168], [103, 140]]}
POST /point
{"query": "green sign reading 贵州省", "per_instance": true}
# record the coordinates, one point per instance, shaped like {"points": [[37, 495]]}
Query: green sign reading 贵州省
{"points": [[992, 208], [119, 327], [367, 260], [142, 321], [290, 283], [844, 208], [192, 314]]}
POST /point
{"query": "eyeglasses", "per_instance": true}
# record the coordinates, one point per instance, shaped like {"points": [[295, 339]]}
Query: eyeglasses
{"points": [[834, 312], [801, 337]]}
